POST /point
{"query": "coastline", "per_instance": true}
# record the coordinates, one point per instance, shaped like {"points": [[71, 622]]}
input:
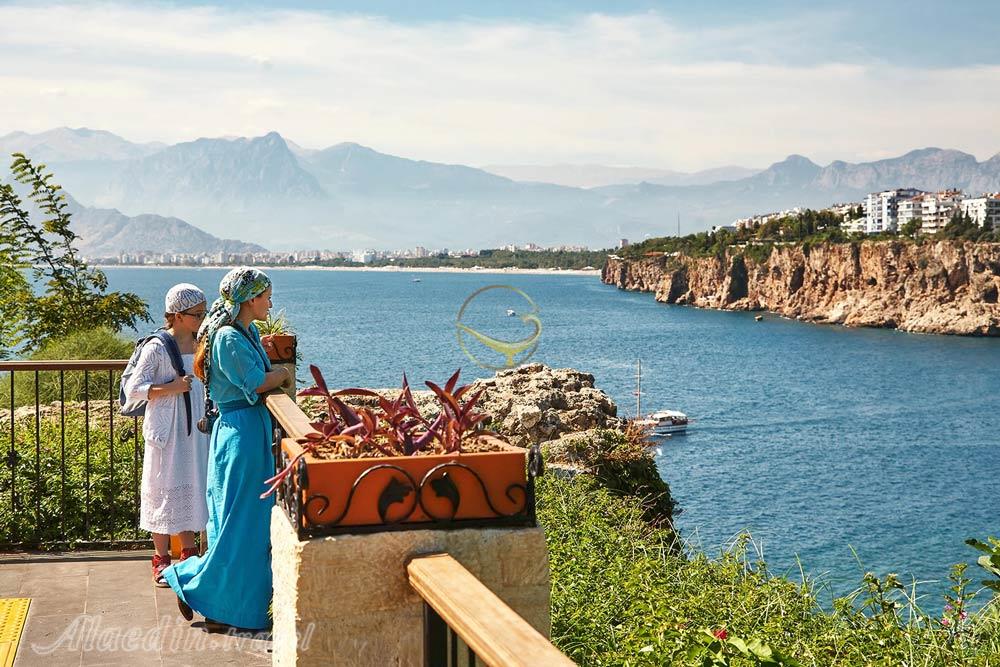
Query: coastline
{"points": [[382, 269]]}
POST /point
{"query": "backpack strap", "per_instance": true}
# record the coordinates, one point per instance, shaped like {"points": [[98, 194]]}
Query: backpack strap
{"points": [[178, 363]]}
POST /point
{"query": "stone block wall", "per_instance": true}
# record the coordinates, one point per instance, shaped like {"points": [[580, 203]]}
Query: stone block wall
{"points": [[346, 600]]}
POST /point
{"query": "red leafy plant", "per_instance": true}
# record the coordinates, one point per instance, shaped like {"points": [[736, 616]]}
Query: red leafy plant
{"points": [[394, 428]]}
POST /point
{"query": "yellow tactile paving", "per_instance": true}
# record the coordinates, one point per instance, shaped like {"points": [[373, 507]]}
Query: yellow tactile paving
{"points": [[13, 612]]}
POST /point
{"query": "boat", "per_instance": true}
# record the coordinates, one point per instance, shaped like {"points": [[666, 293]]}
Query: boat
{"points": [[510, 312], [665, 422], [758, 318], [416, 280], [661, 424]]}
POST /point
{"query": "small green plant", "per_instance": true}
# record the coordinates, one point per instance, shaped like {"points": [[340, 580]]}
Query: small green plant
{"points": [[990, 562], [276, 324]]}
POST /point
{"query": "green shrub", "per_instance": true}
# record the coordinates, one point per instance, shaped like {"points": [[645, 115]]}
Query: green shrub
{"points": [[54, 472], [622, 596], [91, 344]]}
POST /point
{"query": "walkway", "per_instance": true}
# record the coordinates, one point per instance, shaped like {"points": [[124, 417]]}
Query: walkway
{"points": [[100, 608]]}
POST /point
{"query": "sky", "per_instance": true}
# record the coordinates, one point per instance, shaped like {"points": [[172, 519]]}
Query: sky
{"points": [[672, 85]]}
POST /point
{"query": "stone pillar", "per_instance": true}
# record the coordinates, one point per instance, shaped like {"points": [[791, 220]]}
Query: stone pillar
{"points": [[346, 600]]}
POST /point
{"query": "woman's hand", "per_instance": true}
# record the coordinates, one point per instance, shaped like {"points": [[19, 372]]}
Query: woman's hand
{"points": [[179, 385], [278, 377]]}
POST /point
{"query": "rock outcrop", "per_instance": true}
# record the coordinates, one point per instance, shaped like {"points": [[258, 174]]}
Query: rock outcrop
{"points": [[527, 405], [944, 287], [533, 403]]}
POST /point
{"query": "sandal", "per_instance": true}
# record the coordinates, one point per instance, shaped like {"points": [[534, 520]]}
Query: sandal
{"points": [[187, 553], [160, 563]]}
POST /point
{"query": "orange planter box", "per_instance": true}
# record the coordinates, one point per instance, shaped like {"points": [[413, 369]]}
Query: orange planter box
{"points": [[329, 496]]}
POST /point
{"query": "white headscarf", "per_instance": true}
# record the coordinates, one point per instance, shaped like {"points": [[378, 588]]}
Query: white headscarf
{"points": [[183, 297]]}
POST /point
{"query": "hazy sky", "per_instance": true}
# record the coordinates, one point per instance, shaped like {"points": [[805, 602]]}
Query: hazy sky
{"points": [[658, 84]]}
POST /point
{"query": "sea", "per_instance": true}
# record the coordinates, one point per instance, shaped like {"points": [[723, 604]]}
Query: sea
{"points": [[840, 450]]}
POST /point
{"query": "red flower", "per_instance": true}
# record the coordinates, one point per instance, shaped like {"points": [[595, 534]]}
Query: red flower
{"points": [[721, 633]]}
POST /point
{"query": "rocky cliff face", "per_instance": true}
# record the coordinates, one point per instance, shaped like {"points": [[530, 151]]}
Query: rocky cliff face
{"points": [[948, 287]]}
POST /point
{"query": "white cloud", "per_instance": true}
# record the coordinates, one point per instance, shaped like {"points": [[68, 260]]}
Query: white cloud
{"points": [[622, 90]]}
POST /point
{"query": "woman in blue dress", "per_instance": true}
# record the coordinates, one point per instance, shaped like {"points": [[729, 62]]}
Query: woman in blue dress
{"points": [[231, 584]]}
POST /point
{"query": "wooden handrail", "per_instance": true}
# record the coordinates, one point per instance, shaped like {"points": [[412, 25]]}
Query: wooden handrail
{"points": [[494, 632], [288, 414], [65, 365]]}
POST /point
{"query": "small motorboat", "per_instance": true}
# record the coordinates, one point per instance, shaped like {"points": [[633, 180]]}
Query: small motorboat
{"points": [[665, 422], [758, 318], [416, 280], [510, 312]]}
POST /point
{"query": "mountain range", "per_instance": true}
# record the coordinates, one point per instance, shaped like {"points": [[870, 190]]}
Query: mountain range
{"points": [[270, 191]]}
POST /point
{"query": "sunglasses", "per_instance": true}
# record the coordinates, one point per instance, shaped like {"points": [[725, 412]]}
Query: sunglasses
{"points": [[200, 315]]}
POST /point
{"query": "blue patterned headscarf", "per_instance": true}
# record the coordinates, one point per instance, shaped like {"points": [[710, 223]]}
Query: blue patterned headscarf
{"points": [[237, 286]]}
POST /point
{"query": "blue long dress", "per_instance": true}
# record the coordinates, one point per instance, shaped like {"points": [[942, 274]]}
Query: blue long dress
{"points": [[231, 583]]}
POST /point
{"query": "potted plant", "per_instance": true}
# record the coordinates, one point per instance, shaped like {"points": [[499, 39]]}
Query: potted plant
{"points": [[279, 342], [391, 467]]}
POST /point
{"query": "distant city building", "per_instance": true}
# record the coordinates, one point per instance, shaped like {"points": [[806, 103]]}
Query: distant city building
{"points": [[937, 210], [622, 243], [983, 210], [882, 209]]}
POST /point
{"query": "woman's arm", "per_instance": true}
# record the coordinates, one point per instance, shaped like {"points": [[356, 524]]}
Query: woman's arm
{"points": [[153, 362], [279, 377]]}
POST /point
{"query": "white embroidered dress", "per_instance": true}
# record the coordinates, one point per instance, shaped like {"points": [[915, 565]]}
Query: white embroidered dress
{"points": [[174, 463]]}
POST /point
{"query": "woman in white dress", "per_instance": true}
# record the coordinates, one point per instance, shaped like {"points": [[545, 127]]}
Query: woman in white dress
{"points": [[176, 453]]}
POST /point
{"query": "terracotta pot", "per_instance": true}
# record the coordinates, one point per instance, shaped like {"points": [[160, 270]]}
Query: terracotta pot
{"points": [[280, 347], [344, 495]]}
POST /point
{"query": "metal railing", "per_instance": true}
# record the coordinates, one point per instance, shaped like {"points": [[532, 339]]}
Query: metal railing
{"points": [[72, 466], [465, 622]]}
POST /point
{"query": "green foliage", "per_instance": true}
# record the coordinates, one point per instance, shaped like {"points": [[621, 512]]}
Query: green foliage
{"points": [[498, 259], [990, 562], [51, 490], [962, 227], [621, 595], [92, 344], [275, 324], [911, 228], [622, 464], [756, 242], [75, 297]]}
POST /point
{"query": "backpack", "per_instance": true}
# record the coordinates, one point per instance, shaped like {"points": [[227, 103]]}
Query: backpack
{"points": [[137, 407]]}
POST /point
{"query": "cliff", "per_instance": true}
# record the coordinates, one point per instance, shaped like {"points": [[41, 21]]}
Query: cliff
{"points": [[947, 287]]}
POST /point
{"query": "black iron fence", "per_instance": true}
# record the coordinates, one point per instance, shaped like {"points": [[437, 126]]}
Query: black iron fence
{"points": [[72, 466]]}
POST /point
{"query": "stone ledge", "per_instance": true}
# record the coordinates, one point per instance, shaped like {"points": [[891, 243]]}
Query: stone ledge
{"points": [[350, 593]]}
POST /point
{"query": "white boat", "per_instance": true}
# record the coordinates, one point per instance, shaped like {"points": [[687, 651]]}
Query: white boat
{"points": [[510, 312], [416, 280], [665, 422]]}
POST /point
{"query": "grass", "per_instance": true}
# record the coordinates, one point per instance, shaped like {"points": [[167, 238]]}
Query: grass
{"points": [[622, 595]]}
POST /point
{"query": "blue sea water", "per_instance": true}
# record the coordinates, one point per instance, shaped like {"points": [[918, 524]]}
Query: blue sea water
{"points": [[818, 439]]}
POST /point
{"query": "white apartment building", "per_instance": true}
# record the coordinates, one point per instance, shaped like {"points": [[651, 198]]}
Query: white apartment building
{"points": [[983, 209], [909, 209], [881, 209], [937, 210]]}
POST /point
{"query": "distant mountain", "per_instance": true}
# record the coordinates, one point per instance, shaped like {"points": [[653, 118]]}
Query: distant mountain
{"points": [[596, 175], [65, 144], [266, 190], [214, 171], [350, 168], [107, 233]]}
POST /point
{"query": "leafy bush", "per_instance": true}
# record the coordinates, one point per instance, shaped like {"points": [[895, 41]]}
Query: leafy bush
{"points": [[91, 344], [622, 596], [53, 474]]}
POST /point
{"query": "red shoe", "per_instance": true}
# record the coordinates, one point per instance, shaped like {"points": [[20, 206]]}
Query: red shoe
{"points": [[187, 553], [160, 563]]}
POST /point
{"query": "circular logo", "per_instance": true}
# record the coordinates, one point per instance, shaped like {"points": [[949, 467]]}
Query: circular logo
{"points": [[514, 352]]}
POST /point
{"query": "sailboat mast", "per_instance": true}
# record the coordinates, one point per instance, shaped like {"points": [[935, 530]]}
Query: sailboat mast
{"points": [[638, 388]]}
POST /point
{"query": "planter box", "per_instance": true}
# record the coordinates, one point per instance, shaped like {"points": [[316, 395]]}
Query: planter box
{"points": [[280, 348], [482, 489]]}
